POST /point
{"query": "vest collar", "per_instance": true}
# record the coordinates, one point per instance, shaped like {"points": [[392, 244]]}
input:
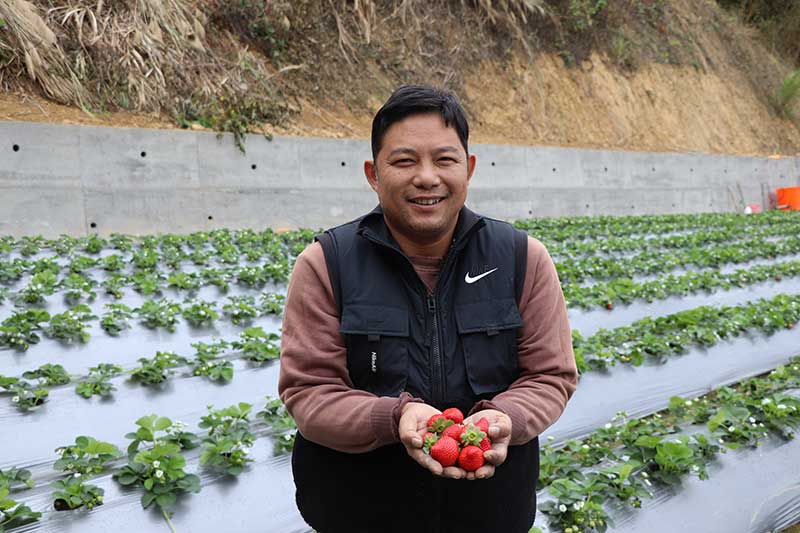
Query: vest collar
{"points": [[374, 224]]}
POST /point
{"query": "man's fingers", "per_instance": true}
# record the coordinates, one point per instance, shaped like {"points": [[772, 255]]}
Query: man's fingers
{"points": [[484, 472], [497, 455], [499, 431], [454, 472]]}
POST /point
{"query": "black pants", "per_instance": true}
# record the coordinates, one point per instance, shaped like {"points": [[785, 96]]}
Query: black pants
{"points": [[384, 491]]}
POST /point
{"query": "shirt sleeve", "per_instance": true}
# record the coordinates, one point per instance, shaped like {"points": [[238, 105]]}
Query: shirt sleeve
{"points": [[548, 373], [314, 383]]}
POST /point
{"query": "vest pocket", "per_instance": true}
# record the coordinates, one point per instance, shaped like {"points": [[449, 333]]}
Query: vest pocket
{"points": [[377, 347], [488, 333]]}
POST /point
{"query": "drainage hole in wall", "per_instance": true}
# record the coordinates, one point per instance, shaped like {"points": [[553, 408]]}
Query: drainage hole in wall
{"points": [[93, 225], [492, 163], [343, 164], [143, 154], [530, 212], [210, 217], [554, 170], [587, 206], [15, 148], [253, 166], [654, 169], [605, 169], [691, 170]]}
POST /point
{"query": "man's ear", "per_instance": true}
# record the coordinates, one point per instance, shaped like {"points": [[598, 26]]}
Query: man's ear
{"points": [[471, 161], [372, 174]]}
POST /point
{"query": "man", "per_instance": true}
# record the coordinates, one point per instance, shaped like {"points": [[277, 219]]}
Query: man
{"points": [[418, 306]]}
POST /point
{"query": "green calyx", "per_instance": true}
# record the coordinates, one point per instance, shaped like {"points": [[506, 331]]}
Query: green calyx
{"points": [[472, 435], [429, 442], [440, 425]]}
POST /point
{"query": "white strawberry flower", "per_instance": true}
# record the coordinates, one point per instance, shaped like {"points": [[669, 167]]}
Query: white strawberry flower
{"points": [[76, 474], [585, 447], [159, 473], [752, 420], [626, 458], [608, 426], [765, 401], [562, 508], [15, 399], [688, 403], [781, 406], [156, 464]]}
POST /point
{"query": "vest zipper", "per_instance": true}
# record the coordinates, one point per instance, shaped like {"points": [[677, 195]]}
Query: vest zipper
{"points": [[436, 361]]}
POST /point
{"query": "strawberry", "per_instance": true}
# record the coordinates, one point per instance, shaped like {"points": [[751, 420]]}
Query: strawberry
{"points": [[609, 306], [470, 458], [483, 425], [428, 441], [445, 451], [454, 414], [472, 435], [437, 423], [485, 444], [454, 432]]}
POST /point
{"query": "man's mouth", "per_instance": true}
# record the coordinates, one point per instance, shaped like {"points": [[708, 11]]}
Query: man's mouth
{"points": [[425, 201]]}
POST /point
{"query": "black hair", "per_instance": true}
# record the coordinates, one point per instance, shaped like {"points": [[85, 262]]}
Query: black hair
{"points": [[409, 100]]}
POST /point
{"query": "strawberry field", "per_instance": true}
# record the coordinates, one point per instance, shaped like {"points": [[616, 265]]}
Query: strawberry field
{"points": [[138, 379]]}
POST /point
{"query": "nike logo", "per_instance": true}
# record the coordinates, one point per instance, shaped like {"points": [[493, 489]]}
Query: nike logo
{"points": [[469, 279]]}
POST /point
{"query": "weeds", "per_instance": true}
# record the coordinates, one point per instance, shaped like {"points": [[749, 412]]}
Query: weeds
{"points": [[788, 96]]}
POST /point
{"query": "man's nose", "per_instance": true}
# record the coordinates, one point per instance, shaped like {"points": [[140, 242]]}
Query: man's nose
{"points": [[427, 177]]}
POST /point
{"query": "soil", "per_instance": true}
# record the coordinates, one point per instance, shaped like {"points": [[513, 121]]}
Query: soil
{"points": [[699, 82]]}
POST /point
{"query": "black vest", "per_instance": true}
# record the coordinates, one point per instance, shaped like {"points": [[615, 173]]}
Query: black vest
{"points": [[451, 348]]}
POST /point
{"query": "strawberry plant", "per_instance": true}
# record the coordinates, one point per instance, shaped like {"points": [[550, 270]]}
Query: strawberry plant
{"points": [[45, 264], [97, 381], [70, 326], [72, 493], [229, 437], [93, 243], [205, 363], [123, 243], [161, 313], [272, 303], [81, 264], [278, 419], [251, 276], [146, 283], [24, 395], [115, 319], [112, 263], [158, 369], [158, 430], [184, 281], [200, 313], [159, 469], [30, 245], [13, 513], [200, 257], [241, 309], [115, 284], [49, 375], [78, 287], [145, 260], [257, 345], [86, 457], [217, 276], [12, 270], [41, 284], [19, 330], [16, 478]]}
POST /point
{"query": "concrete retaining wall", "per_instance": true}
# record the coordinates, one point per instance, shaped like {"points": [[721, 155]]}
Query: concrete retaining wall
{"points": [[78, 179]]}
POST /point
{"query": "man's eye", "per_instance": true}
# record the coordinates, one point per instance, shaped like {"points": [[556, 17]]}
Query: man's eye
{"points": [[405, 161], [447, 159]]}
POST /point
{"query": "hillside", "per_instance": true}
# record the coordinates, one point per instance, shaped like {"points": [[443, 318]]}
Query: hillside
{"points": [[659, 75]]}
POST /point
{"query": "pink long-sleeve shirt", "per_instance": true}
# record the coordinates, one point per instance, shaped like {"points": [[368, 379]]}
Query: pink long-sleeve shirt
{"points": [[315, 385]]}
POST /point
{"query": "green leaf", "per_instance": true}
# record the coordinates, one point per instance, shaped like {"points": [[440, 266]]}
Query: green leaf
{"points": [[166, 501], [162, 423], [147, 499]]}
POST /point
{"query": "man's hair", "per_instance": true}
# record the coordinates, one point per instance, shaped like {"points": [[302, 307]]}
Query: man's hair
{"points": [[417, 99]]}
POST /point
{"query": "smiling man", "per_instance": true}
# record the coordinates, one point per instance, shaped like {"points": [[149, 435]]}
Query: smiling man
{"points": [[417, 306]]}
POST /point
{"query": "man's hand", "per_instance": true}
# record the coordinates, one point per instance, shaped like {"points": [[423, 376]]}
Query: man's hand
{"points": [[500, 435], [413, 426]]}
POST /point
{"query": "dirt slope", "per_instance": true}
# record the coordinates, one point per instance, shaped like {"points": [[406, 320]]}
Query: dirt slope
{"points": [[684, 76]]}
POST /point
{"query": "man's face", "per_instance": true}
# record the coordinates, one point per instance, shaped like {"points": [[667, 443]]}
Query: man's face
{"points": [[421, 175]]}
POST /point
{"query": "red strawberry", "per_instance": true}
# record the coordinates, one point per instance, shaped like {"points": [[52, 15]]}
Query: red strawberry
{"points": [[454, 432], [485, 444], [437, 423], [472, 435], [454, 414], [483, 425], [609, 306], [428, 441], [470, 458], [445, 451]]}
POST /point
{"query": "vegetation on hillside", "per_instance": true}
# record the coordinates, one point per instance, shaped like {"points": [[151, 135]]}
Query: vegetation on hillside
{"points": [[236, 65]]}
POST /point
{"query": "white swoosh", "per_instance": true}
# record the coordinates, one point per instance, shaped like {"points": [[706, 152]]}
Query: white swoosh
{"points": [[476, 278]]}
